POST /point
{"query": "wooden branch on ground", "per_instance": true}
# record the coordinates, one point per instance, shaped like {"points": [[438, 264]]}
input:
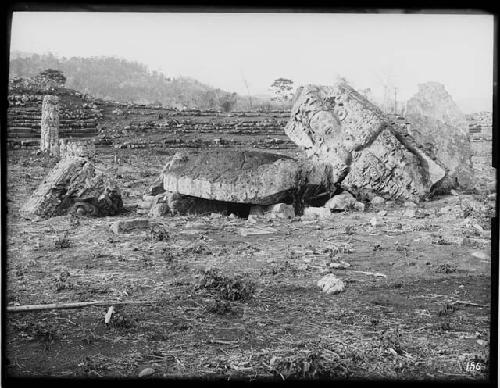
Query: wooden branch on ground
{"points": [[71, 305], [469, 303]]}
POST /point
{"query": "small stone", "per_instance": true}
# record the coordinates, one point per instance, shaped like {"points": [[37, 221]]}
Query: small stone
{"points": [[252, 219], [377, 201], [482, 342], [410, 212], [331, 284], [159, 209], [232, 216], [359, 206], [375, 221], [445, 209], [481, 255], [146, 372], [453, 192], [382, 213], [340, 265], [126, 226], [281, 210], [342, 201], [320, 212]]}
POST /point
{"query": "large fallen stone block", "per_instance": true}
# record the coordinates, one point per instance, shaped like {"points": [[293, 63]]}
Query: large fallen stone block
{"points": [[233, 176], [437, 123], [368, 156], [74, 184]]}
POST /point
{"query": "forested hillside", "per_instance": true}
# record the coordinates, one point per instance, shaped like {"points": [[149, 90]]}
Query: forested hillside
{"points": [[127, 81]]}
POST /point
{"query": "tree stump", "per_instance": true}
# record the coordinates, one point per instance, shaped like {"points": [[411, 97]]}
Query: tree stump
{"points": [[49, 141]]}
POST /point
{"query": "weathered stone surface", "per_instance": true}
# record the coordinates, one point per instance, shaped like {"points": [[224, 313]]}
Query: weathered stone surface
{"points": [[50, 125], [437, 123], [387, 169], [74, 184], [339, 127], [233, 176]]}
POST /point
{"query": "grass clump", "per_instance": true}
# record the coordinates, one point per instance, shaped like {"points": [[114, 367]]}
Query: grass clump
{"points": [[230, 288], [309, 366]]}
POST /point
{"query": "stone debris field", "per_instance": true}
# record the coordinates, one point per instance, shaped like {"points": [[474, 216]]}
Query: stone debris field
{"points": [[330, 241]]}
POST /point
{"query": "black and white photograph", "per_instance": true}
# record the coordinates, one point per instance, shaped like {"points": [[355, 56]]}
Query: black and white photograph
{"points": [[250, 196]]}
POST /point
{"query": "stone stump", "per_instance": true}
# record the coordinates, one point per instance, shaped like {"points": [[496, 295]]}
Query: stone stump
{"points": [[49, 141]]}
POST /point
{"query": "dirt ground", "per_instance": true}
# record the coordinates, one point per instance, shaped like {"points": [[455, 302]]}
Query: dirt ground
{"points": [[416, 303]]}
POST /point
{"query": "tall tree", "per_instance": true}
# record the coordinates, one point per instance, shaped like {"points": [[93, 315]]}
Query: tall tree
{"points": [[282, 89]]}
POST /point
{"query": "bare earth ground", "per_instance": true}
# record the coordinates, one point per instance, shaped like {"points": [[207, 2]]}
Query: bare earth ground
{"points": [[404, 326]]}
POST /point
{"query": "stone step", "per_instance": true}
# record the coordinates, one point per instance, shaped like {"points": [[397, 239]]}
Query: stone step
{"points": [[27, 132]]}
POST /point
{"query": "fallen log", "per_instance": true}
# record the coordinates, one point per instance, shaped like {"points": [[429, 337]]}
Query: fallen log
{"points": [[71, 305]]}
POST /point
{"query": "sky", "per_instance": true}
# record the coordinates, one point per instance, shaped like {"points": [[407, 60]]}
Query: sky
{"points": [[225, 50]]}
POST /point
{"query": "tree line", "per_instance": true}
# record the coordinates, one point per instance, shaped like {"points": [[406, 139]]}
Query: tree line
{"points": [[129, 81]]}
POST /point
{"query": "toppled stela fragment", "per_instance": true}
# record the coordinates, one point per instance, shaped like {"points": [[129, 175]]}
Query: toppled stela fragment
{"points": [[337, 126], [74, 185]]}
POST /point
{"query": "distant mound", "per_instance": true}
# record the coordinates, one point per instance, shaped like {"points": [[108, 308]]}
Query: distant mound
{"points": [[126, 81]]}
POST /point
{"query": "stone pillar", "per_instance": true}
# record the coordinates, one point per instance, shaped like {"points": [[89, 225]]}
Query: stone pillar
{"points": [[49, 141]]}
